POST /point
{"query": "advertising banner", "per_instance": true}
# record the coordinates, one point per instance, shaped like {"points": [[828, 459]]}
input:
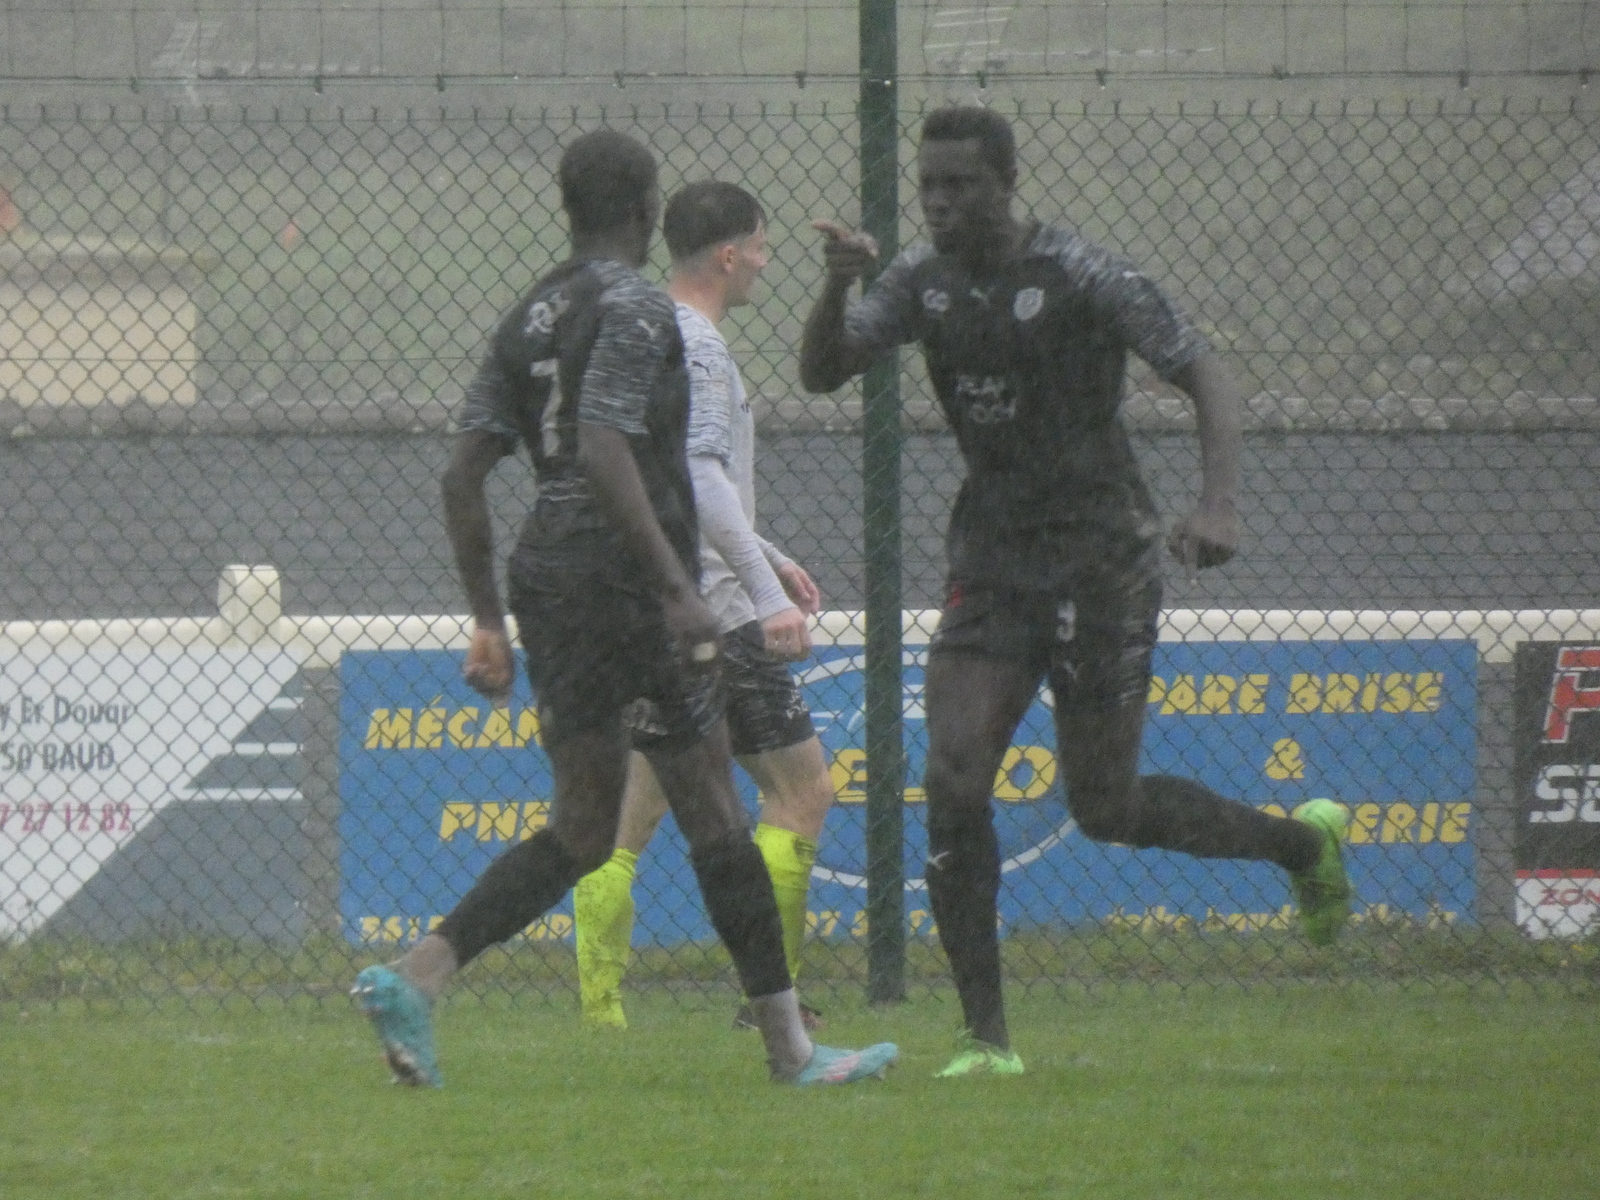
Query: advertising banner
{"points": [[435, 783], [96, 738], [1558, 788]]}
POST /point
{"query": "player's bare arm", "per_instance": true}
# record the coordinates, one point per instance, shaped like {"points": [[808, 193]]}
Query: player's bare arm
{"points": [[489, 665], [800, 587], [1209, 535], [828, 355], [788, 633], [607, 459]]}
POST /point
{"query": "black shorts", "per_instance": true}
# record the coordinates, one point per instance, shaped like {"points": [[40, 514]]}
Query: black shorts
{"points": [[600, 656], [765, 708], [1093, 636]]}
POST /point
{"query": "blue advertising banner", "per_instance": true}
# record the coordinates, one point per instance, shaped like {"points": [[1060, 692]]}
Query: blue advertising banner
{"points": [[434, 783]]}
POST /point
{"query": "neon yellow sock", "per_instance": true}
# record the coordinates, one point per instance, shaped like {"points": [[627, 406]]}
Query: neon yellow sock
{"points": [[602, 906], [788, 857]]}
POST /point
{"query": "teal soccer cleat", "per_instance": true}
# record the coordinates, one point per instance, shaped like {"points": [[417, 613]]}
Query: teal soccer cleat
{"points": [[828, 1065], [403, 1019]]}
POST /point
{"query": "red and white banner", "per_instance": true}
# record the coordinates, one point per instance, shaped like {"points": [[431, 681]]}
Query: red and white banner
{"points": [[1555, 903], [1558, 783]]}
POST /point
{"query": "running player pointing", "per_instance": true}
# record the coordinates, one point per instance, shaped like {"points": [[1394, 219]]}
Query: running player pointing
{"points": [[1054, 542]]}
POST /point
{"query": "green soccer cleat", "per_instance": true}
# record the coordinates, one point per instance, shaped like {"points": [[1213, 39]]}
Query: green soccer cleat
{"points": [[1324, 890], [402, 1017], [605, 1018], [980, 1058], [602, 1010], [828, 1065]]}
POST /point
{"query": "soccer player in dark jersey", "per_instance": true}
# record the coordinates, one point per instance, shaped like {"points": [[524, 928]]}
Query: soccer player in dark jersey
{"points": [[588, 372], [1054, 543]]}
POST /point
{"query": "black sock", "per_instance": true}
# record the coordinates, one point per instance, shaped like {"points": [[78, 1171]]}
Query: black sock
{"points": [[963, 890], [520, 886], [738, 894], [1180, 814]]}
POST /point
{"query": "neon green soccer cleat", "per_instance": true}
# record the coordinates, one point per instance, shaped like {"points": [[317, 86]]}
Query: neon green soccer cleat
{"points": [[1324, 890], [980, 1058], [603, 1014]]}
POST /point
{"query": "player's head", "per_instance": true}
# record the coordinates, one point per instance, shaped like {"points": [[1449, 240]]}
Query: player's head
{"points": [[608, 185], [967, 172], [717, 229]]}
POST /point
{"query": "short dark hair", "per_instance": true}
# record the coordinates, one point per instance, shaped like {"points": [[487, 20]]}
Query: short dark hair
{"points": [[605, 179], [996, 143], [708, 213]]}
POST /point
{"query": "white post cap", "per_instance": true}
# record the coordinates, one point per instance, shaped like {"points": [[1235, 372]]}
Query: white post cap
{"points": [[249, 600]]}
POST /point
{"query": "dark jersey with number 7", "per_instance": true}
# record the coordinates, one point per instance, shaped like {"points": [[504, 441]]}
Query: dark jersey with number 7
{"points": [[592, 342]]}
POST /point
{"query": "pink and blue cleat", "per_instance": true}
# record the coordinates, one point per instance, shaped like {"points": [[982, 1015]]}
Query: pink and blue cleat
{"points": [[402, 1017], [828, 1065]]}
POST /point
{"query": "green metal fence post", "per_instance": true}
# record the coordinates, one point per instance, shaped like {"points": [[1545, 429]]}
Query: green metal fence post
{"points": [[880, 215]]}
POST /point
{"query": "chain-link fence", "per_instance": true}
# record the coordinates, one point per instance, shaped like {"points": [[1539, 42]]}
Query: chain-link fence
{"points": [[237, 337], [206, 52]]}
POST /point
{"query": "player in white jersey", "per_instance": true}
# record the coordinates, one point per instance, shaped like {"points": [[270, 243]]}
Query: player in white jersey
{"points": [[760, 598]]}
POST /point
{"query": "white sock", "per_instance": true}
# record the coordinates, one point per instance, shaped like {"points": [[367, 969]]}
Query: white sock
{"points": [[778, 1018], [429, 964]]}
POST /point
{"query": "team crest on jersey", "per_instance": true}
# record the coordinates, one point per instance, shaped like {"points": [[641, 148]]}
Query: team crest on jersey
{"points": [[544, 314], [936, 302], [1028, 304]]}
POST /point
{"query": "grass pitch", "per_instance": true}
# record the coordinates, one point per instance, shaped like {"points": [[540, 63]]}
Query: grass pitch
{"points": [[1129, 1093]]}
